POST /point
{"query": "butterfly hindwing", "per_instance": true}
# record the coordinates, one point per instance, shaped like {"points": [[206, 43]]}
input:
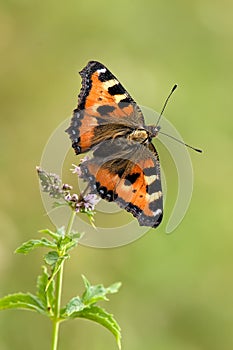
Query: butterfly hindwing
{"points": [[104, 106], [127, 173]]}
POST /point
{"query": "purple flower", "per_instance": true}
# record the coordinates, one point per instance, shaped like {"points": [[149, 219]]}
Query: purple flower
{"points": [[86, 203], [76, 170], [68, 197], [52, 184], [66, 187], [84, 159], [90, 201], [74, 197]]}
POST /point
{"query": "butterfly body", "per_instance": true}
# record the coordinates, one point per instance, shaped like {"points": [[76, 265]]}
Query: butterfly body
{"points": [[125, 164]]}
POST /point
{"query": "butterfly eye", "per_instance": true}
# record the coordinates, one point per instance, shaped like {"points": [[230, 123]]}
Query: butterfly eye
{"points": [[153, 130]]}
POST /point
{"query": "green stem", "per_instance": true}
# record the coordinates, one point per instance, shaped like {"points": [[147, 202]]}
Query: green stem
{"points": [[56, 319], [70, 223]]}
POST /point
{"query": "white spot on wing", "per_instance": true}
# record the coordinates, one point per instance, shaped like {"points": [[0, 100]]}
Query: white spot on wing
{"points": [[118, 98], [154, 196], [102, 70], [151, 178], [110, 83], [157, 212]]}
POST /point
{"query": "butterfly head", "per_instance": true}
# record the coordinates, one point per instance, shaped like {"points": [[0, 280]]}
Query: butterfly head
{"points": [[153, 130]]}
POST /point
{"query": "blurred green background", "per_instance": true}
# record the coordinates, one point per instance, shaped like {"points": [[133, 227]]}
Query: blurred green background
{"points": [[177, 289]]}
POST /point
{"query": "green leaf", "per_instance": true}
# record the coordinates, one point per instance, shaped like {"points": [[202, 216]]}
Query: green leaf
{"points": [[44, 293], [50, 290], [58, 264], [42, 280], [74, 305], [64, 242], [76, 235], [22, 301], [92, 294], [67, 243], [86, 282], [114, 288], [28, 246], [71, 245], [51, 258], [99, 315], [50, 233]]}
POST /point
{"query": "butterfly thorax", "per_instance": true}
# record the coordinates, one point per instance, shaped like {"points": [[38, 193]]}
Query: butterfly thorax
{"points": [[138, 135], [143, 135]]}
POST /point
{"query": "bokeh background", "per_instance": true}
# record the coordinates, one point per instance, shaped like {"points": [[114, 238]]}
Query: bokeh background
{"points": [[177, 289]]}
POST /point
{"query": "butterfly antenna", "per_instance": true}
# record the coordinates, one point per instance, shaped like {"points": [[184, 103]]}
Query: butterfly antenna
{"points": [[183, 143], [164, 106]]}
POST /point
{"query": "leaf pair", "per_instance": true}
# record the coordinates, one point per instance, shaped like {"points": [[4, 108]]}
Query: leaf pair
{"points": [[85, 307]]}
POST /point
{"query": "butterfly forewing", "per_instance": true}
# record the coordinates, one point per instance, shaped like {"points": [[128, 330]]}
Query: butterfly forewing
{"points": [[103, 101]]}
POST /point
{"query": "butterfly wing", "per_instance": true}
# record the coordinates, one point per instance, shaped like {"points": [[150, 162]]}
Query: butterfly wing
{"points": [[127, 173], [105, 109]]}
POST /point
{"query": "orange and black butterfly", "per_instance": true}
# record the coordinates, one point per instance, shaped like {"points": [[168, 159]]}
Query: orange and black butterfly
{"points": [[125, 165]]}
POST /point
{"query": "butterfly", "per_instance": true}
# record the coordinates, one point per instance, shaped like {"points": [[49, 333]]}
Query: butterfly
{"points": [[125, 166]]}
